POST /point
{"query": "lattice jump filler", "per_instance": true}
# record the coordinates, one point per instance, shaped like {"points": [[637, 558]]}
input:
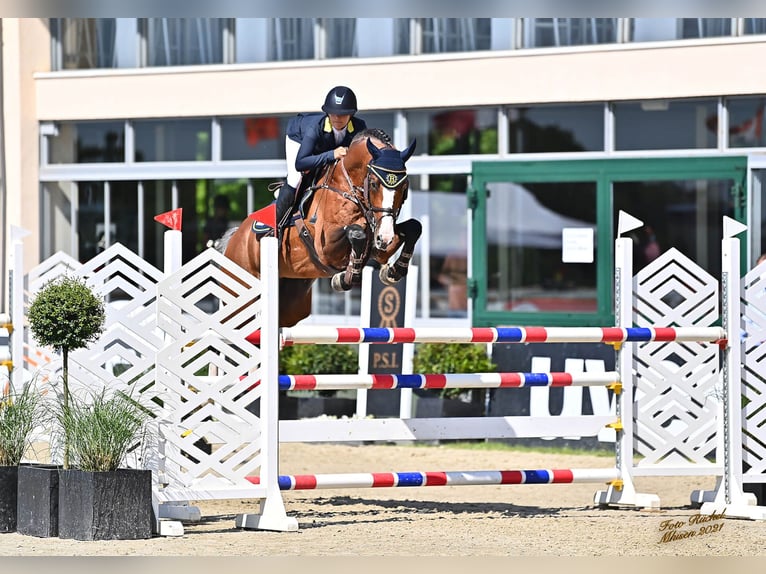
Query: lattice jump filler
{"points": [[728, 494], [162, 336], [621, 491], [189, 483]]}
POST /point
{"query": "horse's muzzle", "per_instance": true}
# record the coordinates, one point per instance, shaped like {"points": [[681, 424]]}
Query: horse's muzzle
{"points": [[385, 233]]}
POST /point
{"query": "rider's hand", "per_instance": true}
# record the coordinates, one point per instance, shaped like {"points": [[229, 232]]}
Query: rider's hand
{"points": [[339, 152]]}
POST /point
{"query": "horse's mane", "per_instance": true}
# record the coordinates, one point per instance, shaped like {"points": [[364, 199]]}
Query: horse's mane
{"points": [[375, 133]]}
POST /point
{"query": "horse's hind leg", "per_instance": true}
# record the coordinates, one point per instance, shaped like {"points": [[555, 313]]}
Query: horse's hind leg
{"points": [[345, 280], [409, 232]]}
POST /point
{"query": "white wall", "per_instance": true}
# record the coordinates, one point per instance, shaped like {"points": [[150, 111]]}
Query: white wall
{"points": [[614, 72]]}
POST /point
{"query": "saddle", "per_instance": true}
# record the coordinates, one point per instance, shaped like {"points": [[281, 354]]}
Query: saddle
{"points": [[262, 229]]}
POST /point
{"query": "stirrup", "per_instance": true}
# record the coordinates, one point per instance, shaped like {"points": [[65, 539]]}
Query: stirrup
{"points": [[274, 187]]}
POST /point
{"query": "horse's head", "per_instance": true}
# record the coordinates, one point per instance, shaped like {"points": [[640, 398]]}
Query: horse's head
{"points": [[386, 189]]}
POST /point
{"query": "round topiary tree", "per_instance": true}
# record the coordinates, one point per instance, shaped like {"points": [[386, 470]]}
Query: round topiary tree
{"points": [[67, 315]]}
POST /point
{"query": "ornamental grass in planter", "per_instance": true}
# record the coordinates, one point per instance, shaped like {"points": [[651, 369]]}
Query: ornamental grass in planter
{"points": [[99, 500], [20, 414], [96, 499]]}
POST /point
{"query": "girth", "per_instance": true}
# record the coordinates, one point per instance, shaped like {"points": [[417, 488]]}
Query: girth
{"points": [[308, 241]]}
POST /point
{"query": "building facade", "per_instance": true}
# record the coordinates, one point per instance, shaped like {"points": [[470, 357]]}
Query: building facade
{"points": [[563, 121]]}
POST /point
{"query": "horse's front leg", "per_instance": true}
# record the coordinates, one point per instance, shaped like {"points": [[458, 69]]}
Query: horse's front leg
{"points": [[344, 281], [408, 233]]}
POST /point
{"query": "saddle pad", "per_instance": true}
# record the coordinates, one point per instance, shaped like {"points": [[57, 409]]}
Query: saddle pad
{"points": [[262, 229]]}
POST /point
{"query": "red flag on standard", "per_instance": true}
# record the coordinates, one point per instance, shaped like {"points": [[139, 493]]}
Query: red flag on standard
{"points": [[267, 215], [171, 219]]}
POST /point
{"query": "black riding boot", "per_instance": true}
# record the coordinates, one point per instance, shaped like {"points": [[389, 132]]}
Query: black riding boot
{"points": [[285, 201]]}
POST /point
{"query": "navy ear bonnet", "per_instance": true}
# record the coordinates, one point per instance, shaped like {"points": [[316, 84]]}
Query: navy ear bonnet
{"points": [[388, 164]]}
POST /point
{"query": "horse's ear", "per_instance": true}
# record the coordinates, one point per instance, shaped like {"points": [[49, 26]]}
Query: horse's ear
{"points": [[374, 152], [409, 151]]}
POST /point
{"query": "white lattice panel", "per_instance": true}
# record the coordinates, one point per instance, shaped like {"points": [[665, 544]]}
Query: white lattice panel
{"points": [[56, 265], [208, 405], [124, 356], [675, 405], [130, 341], [753, 308]]}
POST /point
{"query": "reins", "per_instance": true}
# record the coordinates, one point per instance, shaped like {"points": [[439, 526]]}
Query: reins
{"points": [[360, 195]]}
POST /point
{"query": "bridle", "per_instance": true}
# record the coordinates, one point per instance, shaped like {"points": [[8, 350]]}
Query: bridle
{"points": [[360, 195]]}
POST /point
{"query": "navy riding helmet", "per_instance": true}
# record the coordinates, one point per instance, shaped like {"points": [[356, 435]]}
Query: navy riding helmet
{"points": [[341, 101]]}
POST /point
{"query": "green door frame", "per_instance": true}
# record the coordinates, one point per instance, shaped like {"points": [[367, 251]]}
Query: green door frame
{"points": [[603, 172]]}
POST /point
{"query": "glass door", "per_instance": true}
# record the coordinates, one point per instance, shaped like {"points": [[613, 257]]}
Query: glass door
{"points": [[543, 232]]}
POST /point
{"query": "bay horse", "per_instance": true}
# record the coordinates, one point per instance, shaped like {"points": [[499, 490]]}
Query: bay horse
{"points": [[351, 218]]}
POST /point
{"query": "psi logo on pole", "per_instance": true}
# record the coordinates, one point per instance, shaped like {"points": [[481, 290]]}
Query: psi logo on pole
{"points": [[387, 310]]}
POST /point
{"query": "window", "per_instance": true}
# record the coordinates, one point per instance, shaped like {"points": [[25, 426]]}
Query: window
{"points": [[567, 128], [91, 227], [524, 227], [158, 198], [402, 35], [454, 131], [291, 39], [58, 206], [184, 41], [545, 32], [88, 142], [685, 214], [123, 218], [172, 140], [745, 122], [653, 29], [340, 37], [705, 27], [380, 120], [665, 124], [86, 42], [253, 137], [755, 25], [543, 231], [250, 39], [659, 29], [444, 249], [455, 34]]}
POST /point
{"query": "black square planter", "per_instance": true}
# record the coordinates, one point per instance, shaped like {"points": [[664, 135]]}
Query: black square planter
{"points": [[112, 505], [9, 480], [38, 507]]}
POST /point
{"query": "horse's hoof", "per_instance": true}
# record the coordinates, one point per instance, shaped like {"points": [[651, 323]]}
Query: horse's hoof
{"points": [[338, 284], [384, 276]]}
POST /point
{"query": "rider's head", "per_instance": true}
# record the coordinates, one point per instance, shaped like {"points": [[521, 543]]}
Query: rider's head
{"points": [[340, 105]]}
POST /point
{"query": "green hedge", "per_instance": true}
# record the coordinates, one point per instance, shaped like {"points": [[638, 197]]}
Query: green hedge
{"points": [[429, 358], [451, 358], [319, 360]]}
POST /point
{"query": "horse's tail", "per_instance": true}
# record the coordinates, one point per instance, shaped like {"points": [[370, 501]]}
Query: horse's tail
{"points": [[221, 243]]}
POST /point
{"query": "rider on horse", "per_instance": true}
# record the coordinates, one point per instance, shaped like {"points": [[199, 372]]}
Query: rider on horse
{"points": [[315, 140]]}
